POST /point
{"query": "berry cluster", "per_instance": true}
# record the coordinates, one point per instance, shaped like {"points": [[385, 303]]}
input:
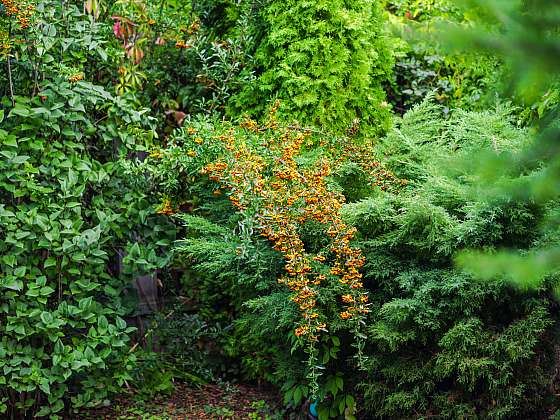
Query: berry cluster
{"points": [[23, 13], [267, 182], [76, 77]]}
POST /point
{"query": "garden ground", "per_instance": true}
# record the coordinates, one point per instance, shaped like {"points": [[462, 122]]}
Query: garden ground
{"points": [[224, 401]]}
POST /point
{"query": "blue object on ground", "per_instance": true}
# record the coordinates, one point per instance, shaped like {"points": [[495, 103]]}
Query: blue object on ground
{"points": [[313, 409]]}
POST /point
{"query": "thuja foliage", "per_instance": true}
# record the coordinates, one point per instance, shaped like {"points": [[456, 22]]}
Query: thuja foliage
{"points": [[325, 60]]}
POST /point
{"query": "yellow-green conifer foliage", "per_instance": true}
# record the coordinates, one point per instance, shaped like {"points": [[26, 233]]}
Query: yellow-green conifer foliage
{"points": [[326, 62]]}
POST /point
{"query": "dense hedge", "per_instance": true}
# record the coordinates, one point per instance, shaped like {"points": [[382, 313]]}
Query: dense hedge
{"points": [[75, 229]]}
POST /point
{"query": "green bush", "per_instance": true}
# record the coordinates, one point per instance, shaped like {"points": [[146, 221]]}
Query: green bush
{"points": [[65, 216], [325, 61], [75, 229], [193, 56], [441, 342]]}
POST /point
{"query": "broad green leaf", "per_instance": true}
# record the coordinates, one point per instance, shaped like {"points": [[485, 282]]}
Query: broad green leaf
{"points": [[47, 318], [49, 262], [20, 271]]}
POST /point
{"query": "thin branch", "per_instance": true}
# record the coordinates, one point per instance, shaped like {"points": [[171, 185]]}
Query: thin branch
{"points": [[10, 81]]}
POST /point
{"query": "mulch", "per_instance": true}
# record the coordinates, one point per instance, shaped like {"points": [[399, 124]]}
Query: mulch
{"points": [[214, 402]]}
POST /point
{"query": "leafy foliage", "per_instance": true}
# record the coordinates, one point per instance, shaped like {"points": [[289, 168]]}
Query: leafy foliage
{"points": [[425, 65], [442, 343], [68, 213], [325, 61]]}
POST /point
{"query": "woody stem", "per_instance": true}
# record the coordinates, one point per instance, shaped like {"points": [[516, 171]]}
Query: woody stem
{"points": [[10, 81]]}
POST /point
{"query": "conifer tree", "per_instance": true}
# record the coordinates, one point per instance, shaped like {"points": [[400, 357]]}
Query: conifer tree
{"points": [[325, 60]]}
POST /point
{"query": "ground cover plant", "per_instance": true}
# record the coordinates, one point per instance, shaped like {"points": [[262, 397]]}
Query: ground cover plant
{"points": [[346, 209]]}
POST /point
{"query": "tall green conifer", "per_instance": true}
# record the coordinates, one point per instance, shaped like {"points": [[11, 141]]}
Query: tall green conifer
{"points": [[325, 60]]}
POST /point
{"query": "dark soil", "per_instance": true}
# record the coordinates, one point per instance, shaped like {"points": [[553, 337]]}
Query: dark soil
{"points": [[234, 402]]}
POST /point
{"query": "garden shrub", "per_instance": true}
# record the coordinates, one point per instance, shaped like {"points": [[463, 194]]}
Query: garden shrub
{"points": [[437, 341], [65, 216], [179, 347], [325, 61], [531, 176], [443, 344], [421, 10], [284, 197], [69, 213], [458, 83]]}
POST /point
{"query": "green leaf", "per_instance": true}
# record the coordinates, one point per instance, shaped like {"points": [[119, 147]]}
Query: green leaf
{"points": [[18, 160], [45, 291], [339, 382], [350, 402], [45, 386], [341, 405], [101, 53], [9, 260], [6, 213], [22, 112], [83, 166], [324, 412], [79, 257], [11, 283], [10, 141], [121, 324], [20, 271], [22, 234], [103, 324], [288, 396], [89, 354], [298, 394], [84, 304], [57, 358], [47, 318], [49, 262]]}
